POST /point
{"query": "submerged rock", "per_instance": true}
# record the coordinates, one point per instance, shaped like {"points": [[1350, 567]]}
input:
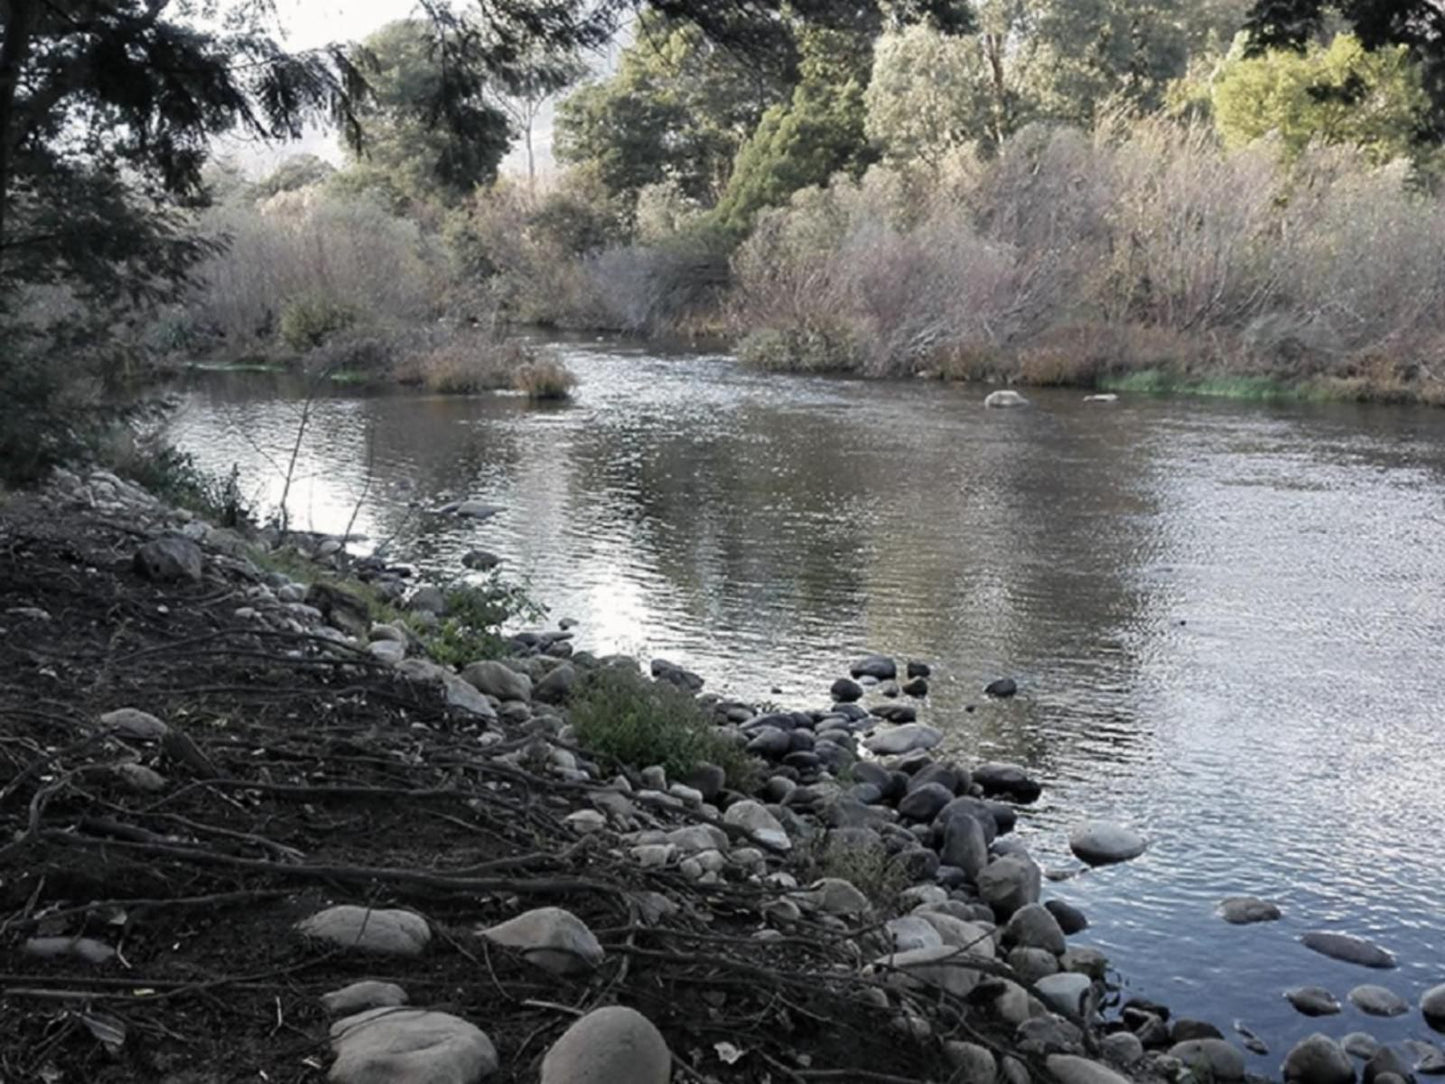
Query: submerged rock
{"points": [[875, 666], [612, 1045], [1217, 1057], [1101, 843], [1243, 910], [409, 1046], [1353, 950], [673, 674], [1378, 1001], [1312, 1000], [1002, 688]]}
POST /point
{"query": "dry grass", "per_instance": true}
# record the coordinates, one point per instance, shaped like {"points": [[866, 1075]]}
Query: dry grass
{"points": [[544, 377], [465, 365]]}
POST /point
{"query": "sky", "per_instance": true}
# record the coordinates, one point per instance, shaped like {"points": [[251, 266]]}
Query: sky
{"points": [[307, 24]]}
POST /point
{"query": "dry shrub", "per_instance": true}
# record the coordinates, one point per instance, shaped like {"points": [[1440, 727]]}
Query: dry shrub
{"points": [[544, 377], [464, 365]]}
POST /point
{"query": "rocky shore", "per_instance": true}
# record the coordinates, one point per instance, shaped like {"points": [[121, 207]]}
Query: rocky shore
{"points": [[255, 832]]}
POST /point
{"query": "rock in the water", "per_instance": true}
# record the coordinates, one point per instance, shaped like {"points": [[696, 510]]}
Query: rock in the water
{"points": [[134, 723], [1102, 843], [1378, 1001], [1218, 1057], [896, 713], [1009, 780], [903, 739], [875, 666], [1360, 1044], [481, 560], [1312, 1000], [1033, 926], [1318, 1059], [1004, 398], [409, 1046], [674, 674], [473, 509], [555, 687], [845, 691], [613, 1045], [499, 680], [388, 932], [1073, 1069], [755, 818], [1352, 950], [1432, 1006], [550, 938], [1008, 883], [1002, 688], [1068, 993], [168, 559], [360, 996], [1243, 910], [1070, 919], [916, 687]]}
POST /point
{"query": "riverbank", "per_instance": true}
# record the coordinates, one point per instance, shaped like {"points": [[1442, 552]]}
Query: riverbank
{"points": [[213, 755]]}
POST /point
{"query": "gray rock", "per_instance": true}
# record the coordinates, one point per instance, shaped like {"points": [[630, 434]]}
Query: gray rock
{"points": [[1318, 1059], [875, 666], [409, 1046], [903, 739], [1432, 1007], [482, 560], [1072, 1069], [965, 846], [946, 968], [1008, 883], [1361, 1045], [1033, 964], [923, 803], [1049, 1033], [1122, 1048], [673, 674], [913, 932], [1102, 843], [1032, 926], [557, 685], [845, 691], [708, 780], [360, 996], [134, 723], [971, 1063], [87, 949], [770, 742], [835, 896], [1007, 779], [1069, 994], [755, 818], [550, 938], [1218, 1057], [387, 651], [389, 932], [1387, 1061], [1183, 1029], [1378, 1001], [140, 778], [1243, 910], [169, 559], [1070, 919], [1085, 961], [426, 599], [1312, 1000], [1353, 950], [499, 680], [612, 1045]]}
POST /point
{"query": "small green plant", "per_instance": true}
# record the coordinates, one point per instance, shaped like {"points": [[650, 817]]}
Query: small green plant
{"points": [[637, 722], [173, 476], [871, 870], [308, 322], [475, 614]]}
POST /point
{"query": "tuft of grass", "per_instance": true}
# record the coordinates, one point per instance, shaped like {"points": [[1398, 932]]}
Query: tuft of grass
{"points": [[544, 378], [464, 366], [633, 721], [871, 870], [172, 476]]}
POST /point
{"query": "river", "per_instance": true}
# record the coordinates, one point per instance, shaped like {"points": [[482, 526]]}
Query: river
{"points": [[1226, 619]]}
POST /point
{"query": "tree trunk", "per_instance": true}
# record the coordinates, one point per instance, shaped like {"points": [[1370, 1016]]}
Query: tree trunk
{"points": [[17, 23], [993, 49]]}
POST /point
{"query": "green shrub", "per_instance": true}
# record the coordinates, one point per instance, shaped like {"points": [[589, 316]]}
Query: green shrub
{"points": [[308, 322], [172, 476], [815, 349], [472, 627], [637, 722]]}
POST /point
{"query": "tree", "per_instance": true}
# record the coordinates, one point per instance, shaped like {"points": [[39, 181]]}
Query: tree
{"points": [[524, 94], [1373, 100], [677, 110], [296, 172], [819, 132]]}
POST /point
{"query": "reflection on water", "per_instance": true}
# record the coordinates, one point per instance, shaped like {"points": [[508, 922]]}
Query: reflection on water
{"points": [[1225, 618]]}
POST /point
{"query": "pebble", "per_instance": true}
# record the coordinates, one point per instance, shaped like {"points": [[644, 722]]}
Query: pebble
{"points": [[360, 996], [384, 931], [551, 938], [612, 1045], [134, 723], [409, 1046]]}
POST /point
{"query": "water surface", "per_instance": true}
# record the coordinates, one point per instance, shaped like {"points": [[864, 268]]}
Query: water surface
{"points": [[1225, 618]]}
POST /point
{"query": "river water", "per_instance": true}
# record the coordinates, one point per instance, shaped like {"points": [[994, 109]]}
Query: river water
{"points": [[1225, 619]]}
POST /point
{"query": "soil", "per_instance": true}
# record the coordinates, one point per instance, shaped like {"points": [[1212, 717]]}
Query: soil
{"points": [[299, 774]]}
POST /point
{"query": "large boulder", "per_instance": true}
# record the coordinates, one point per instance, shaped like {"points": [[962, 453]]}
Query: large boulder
{"points": [[169, 559], [1068, 993], [1353, 950], [550, 938], [409, 1046], [499, 680], [1008, 883], [1318, 1059], [612, 1045], [1033, 926], [388, 932], [1101, 843], [754, 817], [557, 685]]}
